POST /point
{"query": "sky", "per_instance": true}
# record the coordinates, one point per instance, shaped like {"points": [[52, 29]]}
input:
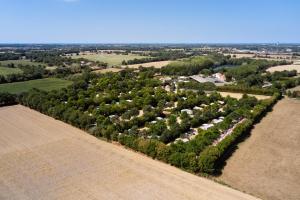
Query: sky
{"points": [[149, 21]]}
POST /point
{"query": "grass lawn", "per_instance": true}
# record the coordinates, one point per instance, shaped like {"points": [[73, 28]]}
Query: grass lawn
{"points": [[22, 62], [111, 59], [46, 84], [4, 71]]}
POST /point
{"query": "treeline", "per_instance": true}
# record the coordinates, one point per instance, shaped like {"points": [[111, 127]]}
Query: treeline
{"points": [[31, 72], [212, 158], [275, 76], [288, 83], [249, 73], [203, 64], [7, 99], [188, 67], [10, 56], [280, 81], [38, 100], [158, 56], [246, 90], [194, 85], [51, 58]]}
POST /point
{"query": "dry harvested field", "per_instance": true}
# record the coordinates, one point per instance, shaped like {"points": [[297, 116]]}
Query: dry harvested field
{"points": [[42, 158], [158, 64], [267, 164], [270, 57], [103, 71], [240, 95], [295, 66]]}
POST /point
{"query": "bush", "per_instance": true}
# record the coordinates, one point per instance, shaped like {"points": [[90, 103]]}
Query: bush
{"points": [[7, 99]]}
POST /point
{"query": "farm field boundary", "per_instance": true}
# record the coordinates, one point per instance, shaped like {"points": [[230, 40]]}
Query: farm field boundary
{"points": [[41, 157]]}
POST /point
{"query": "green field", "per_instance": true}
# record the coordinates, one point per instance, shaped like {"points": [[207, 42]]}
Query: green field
{"points": [[46, 84], [111, 59], [4, 71], [22, 62]]}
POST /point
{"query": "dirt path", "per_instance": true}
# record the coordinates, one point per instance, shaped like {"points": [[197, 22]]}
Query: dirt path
{"points": [[42, 158], [267, 164]]}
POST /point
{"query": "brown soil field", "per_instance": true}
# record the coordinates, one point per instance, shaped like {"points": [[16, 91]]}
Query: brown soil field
{"points": [[240, 95], [158, 64], [43, 158], [267, 164]]}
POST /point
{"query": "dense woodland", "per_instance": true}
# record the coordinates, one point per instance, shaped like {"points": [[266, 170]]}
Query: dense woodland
{"points": [[110, 106]]}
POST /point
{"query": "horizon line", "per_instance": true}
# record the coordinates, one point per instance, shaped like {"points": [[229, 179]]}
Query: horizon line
{"points": [[125, 43]]}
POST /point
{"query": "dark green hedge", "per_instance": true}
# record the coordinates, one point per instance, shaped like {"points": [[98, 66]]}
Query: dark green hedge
{"points": [[248, 90], [7, 99], [212, 158]]}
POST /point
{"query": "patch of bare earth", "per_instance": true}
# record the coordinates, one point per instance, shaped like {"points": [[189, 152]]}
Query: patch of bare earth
{"points": [[267, 164], [42, 158]]}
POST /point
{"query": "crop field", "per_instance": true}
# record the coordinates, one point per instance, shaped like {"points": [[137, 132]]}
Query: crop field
{"points": [[111, 59], [267, 164], [21, 62], [46, 84], [4, 71], [43, 158], [240, 95], [158, 64]]}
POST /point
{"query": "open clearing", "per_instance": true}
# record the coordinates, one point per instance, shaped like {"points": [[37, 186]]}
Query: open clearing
{"points": [[4, 71], [267, 164], [158, 64], [285, 67], [112, 59], [42, 158], [46, 84], [240, 95]]}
